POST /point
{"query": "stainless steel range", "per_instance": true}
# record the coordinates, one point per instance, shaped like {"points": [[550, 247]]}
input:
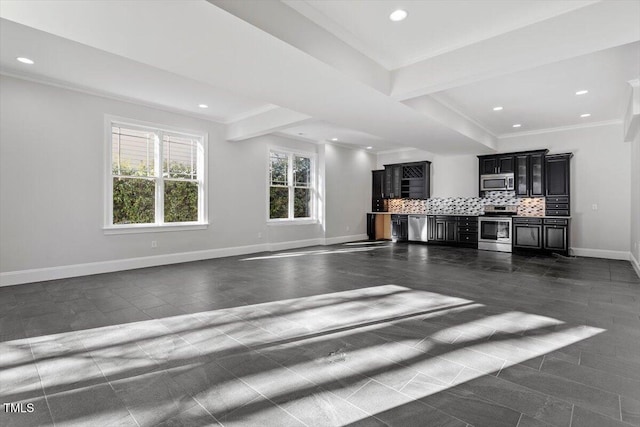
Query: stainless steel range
{"points": [[494, 228]]}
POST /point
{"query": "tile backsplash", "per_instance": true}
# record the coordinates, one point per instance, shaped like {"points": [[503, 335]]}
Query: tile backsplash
{"points": [[467, 205]]}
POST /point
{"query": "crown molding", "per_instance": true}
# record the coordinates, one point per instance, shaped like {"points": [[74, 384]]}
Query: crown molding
{"points": [[560, 129], [103, 94]]}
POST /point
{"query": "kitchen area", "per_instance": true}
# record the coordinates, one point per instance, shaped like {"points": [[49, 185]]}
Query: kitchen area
{"points": [[523, 204]]}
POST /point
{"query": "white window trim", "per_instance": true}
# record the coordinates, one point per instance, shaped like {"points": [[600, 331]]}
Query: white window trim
{"points": [[314, 180], [203, 218]]}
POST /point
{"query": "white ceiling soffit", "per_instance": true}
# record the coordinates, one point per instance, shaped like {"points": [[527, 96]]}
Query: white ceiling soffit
{"points": [[432, 27], [203, 42], [589, 29], [67, 63], [319, 131]]}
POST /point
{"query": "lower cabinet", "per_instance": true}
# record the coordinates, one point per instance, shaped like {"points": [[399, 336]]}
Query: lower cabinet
{"points": [[527, 233], [445, 229], [399, 228], [457, 230], [556, 235], [371, 226], [544, 234]]}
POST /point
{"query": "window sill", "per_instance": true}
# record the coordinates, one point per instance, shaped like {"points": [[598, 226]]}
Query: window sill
{"points": [[280, 222], [152, 228]]}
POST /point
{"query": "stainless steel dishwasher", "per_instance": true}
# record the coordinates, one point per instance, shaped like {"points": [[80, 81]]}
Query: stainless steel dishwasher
{"points": [[418, 229]]}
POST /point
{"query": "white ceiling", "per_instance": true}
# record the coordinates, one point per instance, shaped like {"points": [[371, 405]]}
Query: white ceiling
{"points": [[321, 68], [432, 27]]}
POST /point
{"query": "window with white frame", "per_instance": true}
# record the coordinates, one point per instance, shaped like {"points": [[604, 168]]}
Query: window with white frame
{"points": [[156, 177], [292, 191]]}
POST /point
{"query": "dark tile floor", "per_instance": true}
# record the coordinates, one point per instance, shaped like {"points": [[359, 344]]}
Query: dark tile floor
{"points": [[357, 334]]}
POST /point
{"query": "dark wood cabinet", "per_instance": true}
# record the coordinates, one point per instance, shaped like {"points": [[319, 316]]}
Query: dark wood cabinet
{"points": [[392, 181], [527, 233], [556, 235], [467, 227], [542, 234], [557, 174], [407, 180], [377, 184], [529, 174], [399, 228], [371, 226], [377, 191], [445, 229], [496, 164]]}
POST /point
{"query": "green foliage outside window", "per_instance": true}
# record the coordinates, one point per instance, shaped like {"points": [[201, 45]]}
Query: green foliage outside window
{"points": [[134, 197], [279, 193]]}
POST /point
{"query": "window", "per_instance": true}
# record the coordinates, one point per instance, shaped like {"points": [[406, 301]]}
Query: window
{"points": [[155, 178], [291, 186]]}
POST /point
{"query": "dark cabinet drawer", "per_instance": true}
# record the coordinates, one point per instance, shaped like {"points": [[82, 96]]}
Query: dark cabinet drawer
{"points": [[556, 221], [551, 200], [521, 220], [467, 229], [557, 213], [465, 237], [557, 206]]}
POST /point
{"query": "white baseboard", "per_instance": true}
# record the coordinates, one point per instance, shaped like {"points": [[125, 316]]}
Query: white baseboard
{"points": [[601, 253], [636, 264], [62, 272]]}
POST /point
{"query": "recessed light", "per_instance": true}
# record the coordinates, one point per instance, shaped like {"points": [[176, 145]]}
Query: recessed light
{"points": [[25, 60], [517, 125], [203, 106], [585, 115], [369, 147], [334, 139], [398, 15], [582, 92], [497, 108]]}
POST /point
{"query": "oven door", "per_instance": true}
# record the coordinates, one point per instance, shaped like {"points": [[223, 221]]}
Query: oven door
{"points": [[496, 230]]}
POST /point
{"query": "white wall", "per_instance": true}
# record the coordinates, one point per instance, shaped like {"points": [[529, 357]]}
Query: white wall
{"points": [[600, 174], [634, 242], [451, 176], [51, 186], [347, 172]]}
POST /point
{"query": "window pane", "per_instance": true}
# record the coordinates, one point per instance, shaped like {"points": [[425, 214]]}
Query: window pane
{"points": [[279, 202], [302, 203], [132, 152], [180, 201], [180, 157], [133, 201], [302, 172], [278, 169]]}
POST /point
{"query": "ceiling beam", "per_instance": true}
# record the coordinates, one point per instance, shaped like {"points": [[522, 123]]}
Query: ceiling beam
{"points": [[264, 123]]}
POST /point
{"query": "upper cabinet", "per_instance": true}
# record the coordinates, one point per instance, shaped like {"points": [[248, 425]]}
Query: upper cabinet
{"points": [[407, 180], [377, 187], [501, 163], [557, 174], [529, 174]]}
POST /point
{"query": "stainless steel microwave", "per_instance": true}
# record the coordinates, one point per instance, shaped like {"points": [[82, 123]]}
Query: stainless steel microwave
{"points": [[497, 182]]}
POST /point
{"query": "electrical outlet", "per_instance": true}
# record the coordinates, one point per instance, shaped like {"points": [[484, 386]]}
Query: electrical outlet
{"points": [[348, 228], [259, 235], [594, 206], [154, 244]]}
